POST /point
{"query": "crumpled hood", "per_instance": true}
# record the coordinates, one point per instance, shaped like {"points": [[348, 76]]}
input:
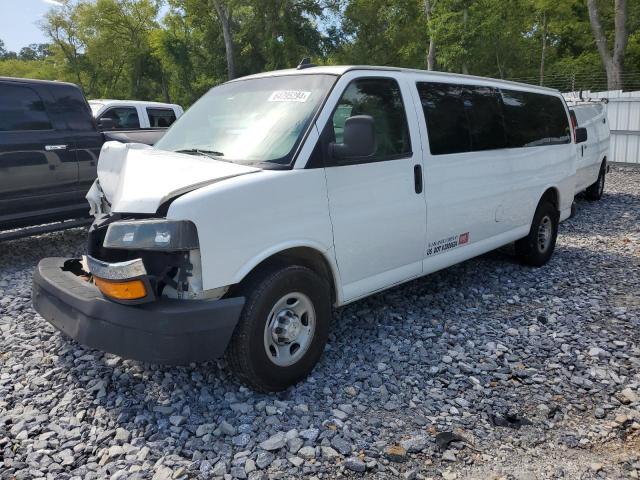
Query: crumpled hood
{"points": [[137, 178]]}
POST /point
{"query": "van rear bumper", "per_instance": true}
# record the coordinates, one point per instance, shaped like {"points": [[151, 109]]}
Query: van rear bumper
{"points": [[165, 331]]}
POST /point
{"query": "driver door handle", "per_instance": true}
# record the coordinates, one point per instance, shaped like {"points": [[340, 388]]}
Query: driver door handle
{"points": [[50, 148]]}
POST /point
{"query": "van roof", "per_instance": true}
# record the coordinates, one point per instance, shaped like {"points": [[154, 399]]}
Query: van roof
{"points": [[342, 69]]}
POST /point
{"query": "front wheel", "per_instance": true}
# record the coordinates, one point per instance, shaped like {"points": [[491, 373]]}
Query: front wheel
{"points": [[283, 327], [536, 248], [595, 191]]}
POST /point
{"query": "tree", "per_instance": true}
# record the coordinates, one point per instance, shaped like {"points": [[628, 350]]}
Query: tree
{"points": [[429, 5], [121, 49], [61, 26], [613, 60], [224, 15], [105, 44], [385, 32], [35, 51]]}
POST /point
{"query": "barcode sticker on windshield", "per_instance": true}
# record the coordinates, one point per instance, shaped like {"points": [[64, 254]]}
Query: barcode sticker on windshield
{"points": [[289, 96]]}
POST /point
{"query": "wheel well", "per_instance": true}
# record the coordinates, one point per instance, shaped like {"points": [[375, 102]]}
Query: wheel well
{"points": [[552, 196], [303, 256]]}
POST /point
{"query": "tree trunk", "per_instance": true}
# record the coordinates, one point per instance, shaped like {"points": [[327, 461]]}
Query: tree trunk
{"points": [[613, 62], [544, 46], [431, 54], [465, 20], [165, 86], [225, 21]]}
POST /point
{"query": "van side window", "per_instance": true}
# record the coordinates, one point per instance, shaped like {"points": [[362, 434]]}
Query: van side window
{"points": [[534, 119], [161, 117], [461, 118], [486, 125], [380, 98], [447, 121], [21, 108], [124, 117], [558, 129]]}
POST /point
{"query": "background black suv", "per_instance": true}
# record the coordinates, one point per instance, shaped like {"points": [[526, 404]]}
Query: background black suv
{"points": [[49, 148]]}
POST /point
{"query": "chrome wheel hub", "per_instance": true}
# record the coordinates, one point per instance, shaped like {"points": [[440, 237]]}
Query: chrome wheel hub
{"points": [[289, 329], [286, 327], [545, 230]]}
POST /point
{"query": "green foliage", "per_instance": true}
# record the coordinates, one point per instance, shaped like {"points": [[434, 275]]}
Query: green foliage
{"points": [[384, 32], [128, 49], [41, 69]]}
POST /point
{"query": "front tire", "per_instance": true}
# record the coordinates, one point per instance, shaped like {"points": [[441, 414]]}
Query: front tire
{"points": [[536, 248], [595, 191], [283, 327]]}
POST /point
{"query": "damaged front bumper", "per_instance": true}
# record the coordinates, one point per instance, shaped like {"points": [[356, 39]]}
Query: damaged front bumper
{"points": [[165, 331]]}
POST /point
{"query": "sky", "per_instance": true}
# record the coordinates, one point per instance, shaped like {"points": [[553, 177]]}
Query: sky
{"points": [[18, 22]]}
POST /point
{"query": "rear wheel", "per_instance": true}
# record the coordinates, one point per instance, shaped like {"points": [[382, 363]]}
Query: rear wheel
{"points": [[536, 248], [283, 327], [595, 191]]}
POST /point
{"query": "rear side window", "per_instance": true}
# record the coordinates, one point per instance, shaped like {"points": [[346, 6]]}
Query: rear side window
{"points": [[161, 117], [71, 107], [446, 118], [486, 126], [555, 116], [380, 98], [124, 117], [462, 118], [533, 119], [21, 108]]}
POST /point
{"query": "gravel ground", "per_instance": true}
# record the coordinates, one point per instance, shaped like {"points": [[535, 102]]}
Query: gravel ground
{"points": [[486, 370]]}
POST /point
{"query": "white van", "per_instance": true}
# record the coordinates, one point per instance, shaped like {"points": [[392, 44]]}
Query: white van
{"points": [[280, 195], [134, 114], [591, 167]]}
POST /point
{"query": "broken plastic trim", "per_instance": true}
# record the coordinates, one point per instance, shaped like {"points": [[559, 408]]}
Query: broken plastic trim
{"points": [[116, 271]]}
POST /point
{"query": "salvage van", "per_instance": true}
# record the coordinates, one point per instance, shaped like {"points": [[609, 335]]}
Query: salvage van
{"points": [[278, 196]]}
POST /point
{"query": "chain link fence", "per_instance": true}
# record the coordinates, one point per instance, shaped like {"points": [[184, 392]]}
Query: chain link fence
{"points": [[573, 82]]}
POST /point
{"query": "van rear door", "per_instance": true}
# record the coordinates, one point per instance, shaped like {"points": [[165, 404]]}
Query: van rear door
{"points": [[38, 168], [468, 172]]}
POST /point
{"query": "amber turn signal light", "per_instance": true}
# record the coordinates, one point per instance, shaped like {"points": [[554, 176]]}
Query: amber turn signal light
{"points": [[127, 290]]}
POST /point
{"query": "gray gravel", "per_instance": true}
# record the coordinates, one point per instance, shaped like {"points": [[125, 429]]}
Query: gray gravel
{"points": [[535, 371]]}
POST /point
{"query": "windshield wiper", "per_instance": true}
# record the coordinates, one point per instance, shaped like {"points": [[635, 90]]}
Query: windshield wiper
{"points": [[203, 152]]}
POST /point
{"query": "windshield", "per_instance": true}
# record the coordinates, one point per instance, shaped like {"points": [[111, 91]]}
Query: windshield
{"points": [[250, 121]]}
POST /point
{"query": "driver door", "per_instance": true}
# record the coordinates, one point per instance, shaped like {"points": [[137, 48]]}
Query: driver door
{"points": [[377, 204]]}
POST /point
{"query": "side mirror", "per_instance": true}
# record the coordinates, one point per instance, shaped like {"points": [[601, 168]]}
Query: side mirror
{"points": [[359, 139], [581, 135], [105, 123]]}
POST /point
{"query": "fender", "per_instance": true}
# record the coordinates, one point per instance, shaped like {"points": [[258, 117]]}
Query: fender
{"points": [[326, 253]]}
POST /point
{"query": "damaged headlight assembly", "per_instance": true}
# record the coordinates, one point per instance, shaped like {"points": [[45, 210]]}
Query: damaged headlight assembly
{"points": [[152, 234]]}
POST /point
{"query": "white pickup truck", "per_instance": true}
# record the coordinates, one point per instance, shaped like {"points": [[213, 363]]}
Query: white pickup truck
{"points": [[135, 114], [278, 196]]}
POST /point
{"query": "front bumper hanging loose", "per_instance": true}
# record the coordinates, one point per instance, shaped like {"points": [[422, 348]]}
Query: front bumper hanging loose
{"points": [[165, 331]]}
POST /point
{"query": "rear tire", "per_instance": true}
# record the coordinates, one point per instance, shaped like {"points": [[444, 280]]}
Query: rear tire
{"points": [[536, 248], [595, 191], [283, 327]]}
